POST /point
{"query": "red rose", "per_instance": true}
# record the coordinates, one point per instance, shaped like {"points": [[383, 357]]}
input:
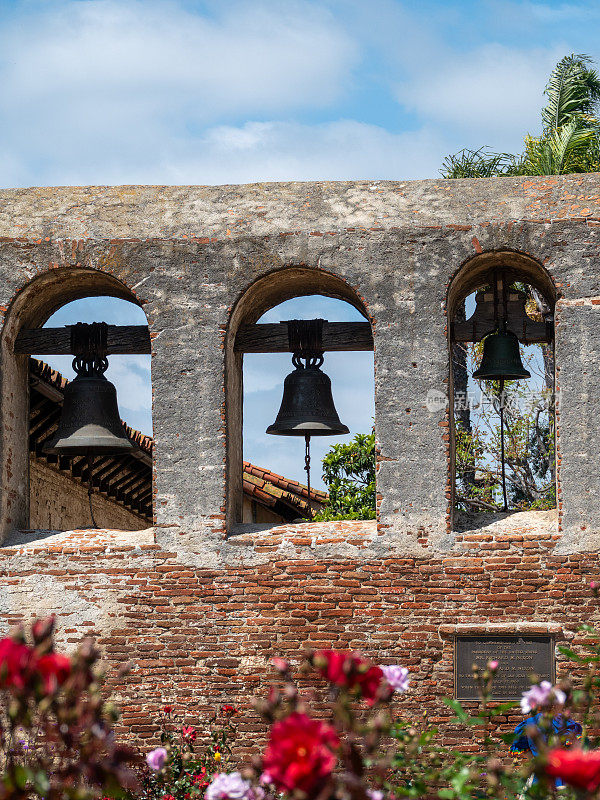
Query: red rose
{"points": [[188, 733], [228, 710], [54, 670], [373, 685], [15, 662], [299, 753], [580, 768], [168, 709], [351, 671]]}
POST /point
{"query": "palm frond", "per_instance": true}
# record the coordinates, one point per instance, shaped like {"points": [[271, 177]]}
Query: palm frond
{"points": [[479, 163], [573, 89], [562, 151]]}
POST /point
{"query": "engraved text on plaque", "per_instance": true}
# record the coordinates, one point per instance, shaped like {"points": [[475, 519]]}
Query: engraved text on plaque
{"points": [[518, 657]]}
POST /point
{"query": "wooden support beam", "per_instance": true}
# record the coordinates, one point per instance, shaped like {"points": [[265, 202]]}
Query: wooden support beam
{"points": [[44, 422], [108, 481], [122, 339], [484, 319], [273, 337]]}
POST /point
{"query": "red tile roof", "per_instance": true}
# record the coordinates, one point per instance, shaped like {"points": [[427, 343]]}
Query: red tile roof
{"points": [[270, 488]]}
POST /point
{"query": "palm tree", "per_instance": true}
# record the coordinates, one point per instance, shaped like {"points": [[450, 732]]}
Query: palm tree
{"points": [[570, 139]]}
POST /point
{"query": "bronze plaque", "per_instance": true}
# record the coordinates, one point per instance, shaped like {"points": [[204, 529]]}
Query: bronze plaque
{"points": [[518, 657]]}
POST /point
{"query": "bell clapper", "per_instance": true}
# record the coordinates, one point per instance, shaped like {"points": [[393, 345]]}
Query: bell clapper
{"points": [[503, 465], [307, 468]]}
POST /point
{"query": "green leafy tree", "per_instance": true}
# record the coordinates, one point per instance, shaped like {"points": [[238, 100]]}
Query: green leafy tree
{"points": [[349, 474], [570, 138]]}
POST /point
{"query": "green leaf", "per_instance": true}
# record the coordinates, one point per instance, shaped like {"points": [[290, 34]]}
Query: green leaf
{"points": [[570, 654], [22, 776], [502, 708]]}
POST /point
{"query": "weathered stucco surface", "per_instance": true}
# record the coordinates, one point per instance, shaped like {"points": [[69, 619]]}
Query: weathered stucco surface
{"points": [[189, 253], [203, 610]]}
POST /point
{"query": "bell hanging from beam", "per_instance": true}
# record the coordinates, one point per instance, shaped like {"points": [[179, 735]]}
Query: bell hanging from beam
{"points": [[307, 408], [501, 358], [90, 423], [501, 361]]}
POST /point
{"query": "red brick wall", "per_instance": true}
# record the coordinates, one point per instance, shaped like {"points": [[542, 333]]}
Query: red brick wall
{"points": [[203, 635]]}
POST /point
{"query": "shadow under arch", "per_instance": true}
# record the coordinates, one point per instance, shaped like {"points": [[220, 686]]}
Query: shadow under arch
{"points": [[264, 293], [31, 307], [519, 266]]}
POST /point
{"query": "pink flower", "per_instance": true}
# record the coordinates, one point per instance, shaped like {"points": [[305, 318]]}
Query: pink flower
{"points": [[42, 628], [229, 787], [280, 664], [493, 665], [540, 695], [156, 759], [397, 677], [188, 733]]}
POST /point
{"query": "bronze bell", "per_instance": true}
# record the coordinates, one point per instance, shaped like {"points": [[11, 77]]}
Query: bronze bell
{"points": [[307, 407], [501, 358], [90, 422]]}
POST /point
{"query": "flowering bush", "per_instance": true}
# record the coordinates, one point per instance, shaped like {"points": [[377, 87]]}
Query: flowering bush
{"points": [[182, 768], [55, 728], [342, 757]]}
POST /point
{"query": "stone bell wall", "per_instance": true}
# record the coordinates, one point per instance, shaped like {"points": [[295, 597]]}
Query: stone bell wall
{"points": [[200, 603]]}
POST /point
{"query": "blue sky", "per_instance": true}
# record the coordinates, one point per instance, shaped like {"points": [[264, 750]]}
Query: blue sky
{"points": [[124, 91], [175, 92]]}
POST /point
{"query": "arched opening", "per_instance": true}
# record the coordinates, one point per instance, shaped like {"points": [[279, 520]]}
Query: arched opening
{"points": [[501, 340], [254, 384], [53, 498]]}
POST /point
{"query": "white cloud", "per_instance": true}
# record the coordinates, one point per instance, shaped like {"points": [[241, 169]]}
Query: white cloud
{"points": [[494, 90], [279, 151], [103, 89]]}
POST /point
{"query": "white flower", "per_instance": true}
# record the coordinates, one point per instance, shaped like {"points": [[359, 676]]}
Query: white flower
{"points": [[396, 676]]}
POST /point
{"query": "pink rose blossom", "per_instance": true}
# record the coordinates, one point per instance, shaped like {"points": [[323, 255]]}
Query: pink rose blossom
{"points": [[397, 677], [156, 759], [540, 695], [229, 787]]}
